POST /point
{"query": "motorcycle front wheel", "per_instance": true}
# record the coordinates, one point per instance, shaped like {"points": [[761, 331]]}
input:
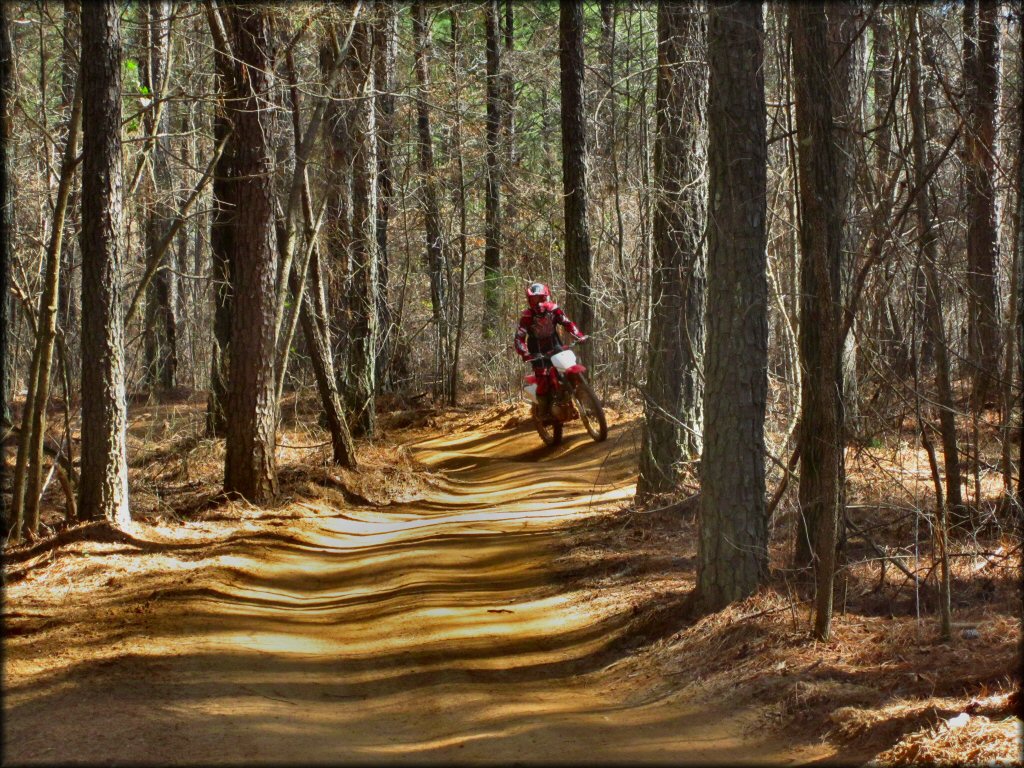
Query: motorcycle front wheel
{"points": [[591, 412], [550, 433]]}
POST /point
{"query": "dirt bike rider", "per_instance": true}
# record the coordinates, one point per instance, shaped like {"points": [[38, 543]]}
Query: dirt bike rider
{"points": [[537, 332]]}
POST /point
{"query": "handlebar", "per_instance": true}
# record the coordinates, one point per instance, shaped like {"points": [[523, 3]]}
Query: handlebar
{"points": [[546, 355]]}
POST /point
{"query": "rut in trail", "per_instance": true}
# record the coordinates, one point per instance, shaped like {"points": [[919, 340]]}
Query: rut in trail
{"points": [[433, 630]]}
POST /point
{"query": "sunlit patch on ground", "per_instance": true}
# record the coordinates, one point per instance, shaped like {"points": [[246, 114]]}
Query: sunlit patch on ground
{"points": [[414, 610]]}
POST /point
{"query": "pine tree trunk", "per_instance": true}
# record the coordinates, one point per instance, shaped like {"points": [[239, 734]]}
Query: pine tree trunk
{"points": [[338, 226], [733, 544], [69, 312], [221, 250], [250, 468], [492, 201], [385, 33], [847, 83], [674, 391], [981, 76], [6, 232], [436, 253], [821, 269], [579, 302], [460, 200], [1019, 298], [362, 339], [103, 491]]}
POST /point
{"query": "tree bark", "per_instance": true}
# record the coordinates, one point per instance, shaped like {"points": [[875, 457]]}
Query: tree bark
{"points": [[579, 301], [361, 379], [981, 79], [821, 254], [436, 252], [69, 311], [674, 390], [1019, 298], [221, 251], [492, 201], [46, 336], [847, 85], [250, 468], [733, 545], [103, 491], [6, 232], [460, 200], [385, 44]]}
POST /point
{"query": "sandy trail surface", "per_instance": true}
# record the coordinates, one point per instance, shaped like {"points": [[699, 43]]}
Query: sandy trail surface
{"points": [[430, 630]]}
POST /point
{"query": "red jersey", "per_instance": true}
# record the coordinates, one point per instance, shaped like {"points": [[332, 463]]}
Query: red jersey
{"points": [[537, 329]]}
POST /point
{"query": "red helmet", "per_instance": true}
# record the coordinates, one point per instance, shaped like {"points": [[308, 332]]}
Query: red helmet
{"points": [[537, 294]]}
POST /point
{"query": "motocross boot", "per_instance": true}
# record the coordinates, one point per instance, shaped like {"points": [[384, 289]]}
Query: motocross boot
{"points": [[544, 407]]}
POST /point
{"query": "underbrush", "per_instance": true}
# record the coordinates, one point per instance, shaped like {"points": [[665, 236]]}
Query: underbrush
{"points": [[886, 686]]}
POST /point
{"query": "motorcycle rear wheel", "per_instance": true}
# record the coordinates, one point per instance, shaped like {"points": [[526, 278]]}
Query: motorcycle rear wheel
{"points": [[591, 412]]}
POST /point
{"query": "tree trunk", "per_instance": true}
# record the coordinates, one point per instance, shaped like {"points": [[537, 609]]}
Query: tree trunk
{"points": [[981, 78], [492, 202], [460, 200], [929, 258], [361, 378], [338, 227], [674, 389], [161, 326], [1019, 298], [221, 251], [385, 33], [821, 253], [69, 311], [508, 106], [436, 253], [250, 468], [6, 232], [733, 544], [847, 83], [46, 336], [579, 301], [316, 330], [103, 491]]}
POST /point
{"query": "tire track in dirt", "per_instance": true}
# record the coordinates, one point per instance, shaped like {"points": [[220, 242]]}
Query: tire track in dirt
{"points": [[435, 630]]}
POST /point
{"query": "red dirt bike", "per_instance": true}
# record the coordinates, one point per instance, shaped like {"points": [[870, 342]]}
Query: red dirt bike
{"points": [[571, 398]]}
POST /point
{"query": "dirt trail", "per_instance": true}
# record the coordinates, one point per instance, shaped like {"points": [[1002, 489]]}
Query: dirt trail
{"points": [[433, 630]]}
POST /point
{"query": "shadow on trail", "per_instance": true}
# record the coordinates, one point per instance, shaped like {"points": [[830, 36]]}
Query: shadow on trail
{"points": [[436, 629]]}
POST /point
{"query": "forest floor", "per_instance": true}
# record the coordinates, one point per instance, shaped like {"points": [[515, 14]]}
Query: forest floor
{"points": [[468, 596]]}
